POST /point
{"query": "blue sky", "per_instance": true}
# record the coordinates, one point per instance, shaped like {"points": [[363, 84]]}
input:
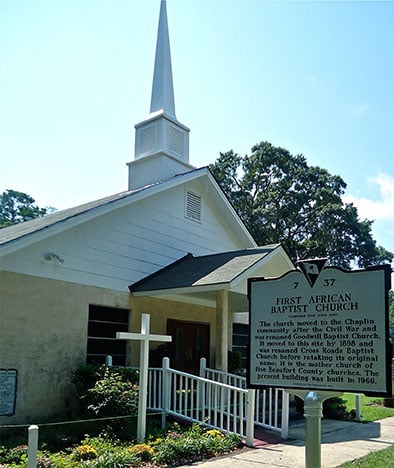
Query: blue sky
{"points": [[313, 77]]}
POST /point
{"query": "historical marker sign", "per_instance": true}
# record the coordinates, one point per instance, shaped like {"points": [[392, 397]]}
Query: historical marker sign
{"points": [[322, 329], [8, 381]]}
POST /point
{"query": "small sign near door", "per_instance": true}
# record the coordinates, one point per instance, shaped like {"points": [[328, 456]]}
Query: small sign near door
{"points": [[8, 382]]}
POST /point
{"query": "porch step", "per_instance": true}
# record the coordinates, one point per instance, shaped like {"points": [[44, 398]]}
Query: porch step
{"points": [[263, 438]]}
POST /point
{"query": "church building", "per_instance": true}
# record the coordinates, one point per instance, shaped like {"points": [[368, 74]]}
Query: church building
{"points": [[171, 246]]}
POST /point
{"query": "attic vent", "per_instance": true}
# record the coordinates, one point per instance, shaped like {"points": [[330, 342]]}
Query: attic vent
{"points": [[193, 206], [175, 141], [148, 139]]}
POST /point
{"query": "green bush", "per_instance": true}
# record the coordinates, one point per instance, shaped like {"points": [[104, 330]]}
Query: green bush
{"points": [[84, 452], [110, 453], [108, 392], [16, 454], [143, 451], [235, 362], [113, 396], [56, 460], [333, 408], [176, 446], [192, 445], [85, 377]]}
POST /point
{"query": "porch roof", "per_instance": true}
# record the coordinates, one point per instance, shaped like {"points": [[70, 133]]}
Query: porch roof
{"points": [[196, 279]]}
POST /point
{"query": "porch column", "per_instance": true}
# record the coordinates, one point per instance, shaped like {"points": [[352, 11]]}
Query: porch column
{"points": [[222, 324]]}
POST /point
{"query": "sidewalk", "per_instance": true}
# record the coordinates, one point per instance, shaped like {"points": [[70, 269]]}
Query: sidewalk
{"points": [[341, 442]]}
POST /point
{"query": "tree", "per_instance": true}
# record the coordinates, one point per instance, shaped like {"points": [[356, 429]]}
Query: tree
{"points": [[283, 200], [17, 207]]}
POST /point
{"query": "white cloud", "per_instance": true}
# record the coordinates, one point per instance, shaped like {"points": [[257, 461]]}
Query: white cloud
{"points": [[380, 209]]}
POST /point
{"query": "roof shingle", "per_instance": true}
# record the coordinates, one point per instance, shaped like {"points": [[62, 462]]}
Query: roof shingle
{"points": [[204, 270]]}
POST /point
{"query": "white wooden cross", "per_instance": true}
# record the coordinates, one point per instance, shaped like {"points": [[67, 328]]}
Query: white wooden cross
{"points": [[144, 337]]}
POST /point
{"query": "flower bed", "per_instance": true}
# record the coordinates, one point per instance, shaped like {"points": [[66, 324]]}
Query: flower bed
{"points": [[174, 447]]}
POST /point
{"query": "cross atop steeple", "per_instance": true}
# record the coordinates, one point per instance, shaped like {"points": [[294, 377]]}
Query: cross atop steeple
{"points": [[161, 142], [163, 88]]}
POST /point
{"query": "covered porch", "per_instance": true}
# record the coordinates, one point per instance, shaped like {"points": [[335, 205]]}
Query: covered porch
{"points": [[214, 283]]}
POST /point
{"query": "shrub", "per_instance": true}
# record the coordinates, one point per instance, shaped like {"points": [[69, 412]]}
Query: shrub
{"points": [[179, 447], [143, 451], [333, 408], [55, 460], [388, 402], [14, 455], [84, 452], [235, 362], [115, 459], [110, 453], [113, 396], [108, 392], [85, 377], [215, 433], [192, 445]]}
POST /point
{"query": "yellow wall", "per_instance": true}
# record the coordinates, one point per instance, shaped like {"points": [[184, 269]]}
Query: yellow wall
{"points": [[43, 334], [160, 310]]}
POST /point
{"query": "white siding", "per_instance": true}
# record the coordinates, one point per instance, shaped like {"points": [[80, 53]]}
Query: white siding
{"points": [[125, 245]]}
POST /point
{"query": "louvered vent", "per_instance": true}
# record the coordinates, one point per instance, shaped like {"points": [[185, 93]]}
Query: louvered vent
{"points": [[148, 139], [193, 206], [175, 141]]}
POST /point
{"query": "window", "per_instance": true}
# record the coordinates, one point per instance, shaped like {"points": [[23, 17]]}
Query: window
{"points": [[241, 340], [103, 324], [193, 206]]}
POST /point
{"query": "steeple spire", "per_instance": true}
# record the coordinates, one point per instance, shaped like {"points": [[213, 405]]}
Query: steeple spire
{"points": [[161, 142], [163, 89]]}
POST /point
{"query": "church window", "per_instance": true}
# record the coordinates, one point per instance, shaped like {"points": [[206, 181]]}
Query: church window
{"points": [[193, 206], [241, 340], [103, 324]]}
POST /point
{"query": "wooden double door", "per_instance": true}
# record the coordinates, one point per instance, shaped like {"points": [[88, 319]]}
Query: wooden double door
{"points": [[190, 342]]}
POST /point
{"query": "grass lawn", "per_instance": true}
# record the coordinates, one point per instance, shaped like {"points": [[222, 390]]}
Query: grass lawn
{"points": [[380, 459], [372, 408]]}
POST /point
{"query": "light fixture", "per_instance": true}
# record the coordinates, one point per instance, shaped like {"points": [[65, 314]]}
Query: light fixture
{"points": [[52, 256]]}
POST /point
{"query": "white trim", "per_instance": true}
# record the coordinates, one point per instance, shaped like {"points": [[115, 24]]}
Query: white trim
{"points": [[184, 290]]}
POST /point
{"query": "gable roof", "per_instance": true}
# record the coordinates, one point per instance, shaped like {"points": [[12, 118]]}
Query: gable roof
{"points": [[196, 280], [207, 270], [20, 235], [19, 230]]}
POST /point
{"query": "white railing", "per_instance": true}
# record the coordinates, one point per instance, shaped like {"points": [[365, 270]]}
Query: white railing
{"points": [[271, 405], [155, 388], [214, 404], [217, 399]]}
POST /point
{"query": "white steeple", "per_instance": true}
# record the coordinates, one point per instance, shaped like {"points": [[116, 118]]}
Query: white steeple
{"points": [[163, 87], [161, 142]]}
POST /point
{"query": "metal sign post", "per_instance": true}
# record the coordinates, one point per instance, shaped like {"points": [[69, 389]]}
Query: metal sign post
{"points": [[313, 413]]}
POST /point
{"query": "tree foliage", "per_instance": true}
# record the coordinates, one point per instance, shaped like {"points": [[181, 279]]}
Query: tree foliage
{"points": [[391, 308], [17, 207], [283, 200]]}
